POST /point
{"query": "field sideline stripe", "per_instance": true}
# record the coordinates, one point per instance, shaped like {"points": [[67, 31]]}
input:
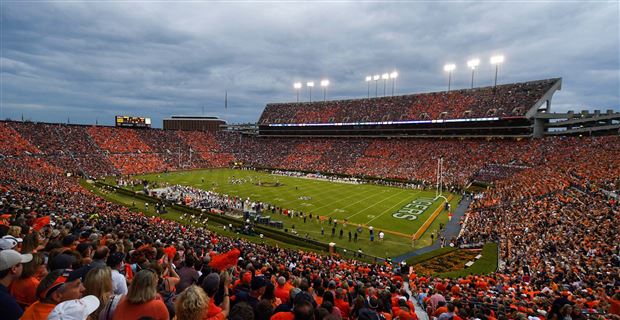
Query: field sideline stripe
{"points": [[430, 220]]}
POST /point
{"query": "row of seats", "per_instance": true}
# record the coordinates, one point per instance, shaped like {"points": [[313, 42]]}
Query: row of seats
{"points": [[502, 101]]}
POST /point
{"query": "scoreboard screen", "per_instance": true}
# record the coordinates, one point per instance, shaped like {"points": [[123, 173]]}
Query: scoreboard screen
{"points": [[127, 121]]}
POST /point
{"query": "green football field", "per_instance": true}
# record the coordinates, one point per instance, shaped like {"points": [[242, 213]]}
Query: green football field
{"points": [[399, 212]]}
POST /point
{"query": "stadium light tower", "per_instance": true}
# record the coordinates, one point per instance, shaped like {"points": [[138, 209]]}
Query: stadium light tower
{"points": [[393, 76], [324, 84], [449, 68], [473, 64], [385, 77], [297, 86], [376, 78], [368, 79], [310, 84], [496, 60]]}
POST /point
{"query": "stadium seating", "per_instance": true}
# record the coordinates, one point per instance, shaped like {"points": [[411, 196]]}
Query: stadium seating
{"points": [[511, 100], [554, 224]]}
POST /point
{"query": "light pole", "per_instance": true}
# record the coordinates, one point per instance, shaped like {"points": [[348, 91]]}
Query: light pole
{"points": [[449, 68], [473, 64], [368, 79], [297, 86], [324, 84], [310, 84], [385, 77], [393, 76], [496, 60], [376, 78]]}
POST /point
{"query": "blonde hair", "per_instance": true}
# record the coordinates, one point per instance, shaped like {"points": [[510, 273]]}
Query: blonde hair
{"points": [[143, 287], [191, 303], [15, 231], [98, 283]]}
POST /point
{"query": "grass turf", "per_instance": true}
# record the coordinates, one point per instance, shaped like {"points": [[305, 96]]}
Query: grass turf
{"points": [[363, 204], [175, 215]]}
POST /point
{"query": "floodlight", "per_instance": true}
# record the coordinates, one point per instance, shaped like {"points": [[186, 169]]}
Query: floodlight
{"points": [[368, 78], [385, 76], [497, 59], [376, 77], [310, 84], [324, 83], [473, 63], [394, 75], [449, 67], [297, 85]]}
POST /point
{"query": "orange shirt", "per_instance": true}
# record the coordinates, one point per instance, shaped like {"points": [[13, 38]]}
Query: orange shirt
{"points": [[283, 316], [38, 311], [440, 310], [614, 306], [155, 309], [344, 307], [25, 291], [213, 309], [282, 292]]}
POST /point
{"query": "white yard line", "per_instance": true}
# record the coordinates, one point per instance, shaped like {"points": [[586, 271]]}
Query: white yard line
{"points": [[376, 203], [391, 208], [351, 196]]}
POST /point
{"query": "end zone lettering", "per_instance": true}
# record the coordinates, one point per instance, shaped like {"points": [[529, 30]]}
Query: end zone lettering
{"points": [[413, 209]]}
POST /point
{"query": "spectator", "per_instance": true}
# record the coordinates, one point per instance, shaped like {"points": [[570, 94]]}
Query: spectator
{"points": [[24, 289], [192, 304], [142, 299], [58, 286], [119, 282], [11, 266]]}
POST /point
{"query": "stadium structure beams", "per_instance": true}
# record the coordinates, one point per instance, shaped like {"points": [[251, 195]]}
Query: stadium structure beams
{"points": [[572, 123]]}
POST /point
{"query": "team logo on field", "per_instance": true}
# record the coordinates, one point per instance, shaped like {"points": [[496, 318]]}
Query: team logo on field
{"points": [[412, 210]]}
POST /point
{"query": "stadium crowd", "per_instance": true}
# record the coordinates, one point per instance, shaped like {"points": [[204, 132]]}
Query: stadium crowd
{"points": [[555, 226], [515, 100]]}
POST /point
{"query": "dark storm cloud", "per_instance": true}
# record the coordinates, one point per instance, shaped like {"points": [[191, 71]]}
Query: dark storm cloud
{"points": [[91, 61]]}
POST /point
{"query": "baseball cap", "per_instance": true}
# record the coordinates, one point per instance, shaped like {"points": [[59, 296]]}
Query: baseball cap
{"points": [[11, 258], [79, 273], [6, 244], [12, 241], [12, 238], [211, 283], [78, 309]]}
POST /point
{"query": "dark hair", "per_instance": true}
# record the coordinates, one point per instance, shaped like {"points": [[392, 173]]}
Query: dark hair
{"points": [[189, 261], [329, 296], [327, 306], [303, 310], [101, 253], [270, 291], [241, 311], [263, 310], [4, 273]]}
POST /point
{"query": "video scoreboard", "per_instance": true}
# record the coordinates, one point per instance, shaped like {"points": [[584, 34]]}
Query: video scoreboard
{"points": [[127, 121]]}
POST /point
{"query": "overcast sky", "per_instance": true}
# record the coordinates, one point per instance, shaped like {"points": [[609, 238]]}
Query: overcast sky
{"points": [[91, 61]]}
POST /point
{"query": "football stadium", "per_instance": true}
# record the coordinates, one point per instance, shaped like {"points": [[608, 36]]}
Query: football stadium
{"points": [[475, 202]]}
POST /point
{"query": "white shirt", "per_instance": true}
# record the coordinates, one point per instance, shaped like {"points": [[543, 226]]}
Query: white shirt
{"points": [[119, 283]]}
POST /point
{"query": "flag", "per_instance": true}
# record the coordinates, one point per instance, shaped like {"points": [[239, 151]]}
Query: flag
{"points": [[39, 223], [226, 100], [224, 260], [170, 252]]}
